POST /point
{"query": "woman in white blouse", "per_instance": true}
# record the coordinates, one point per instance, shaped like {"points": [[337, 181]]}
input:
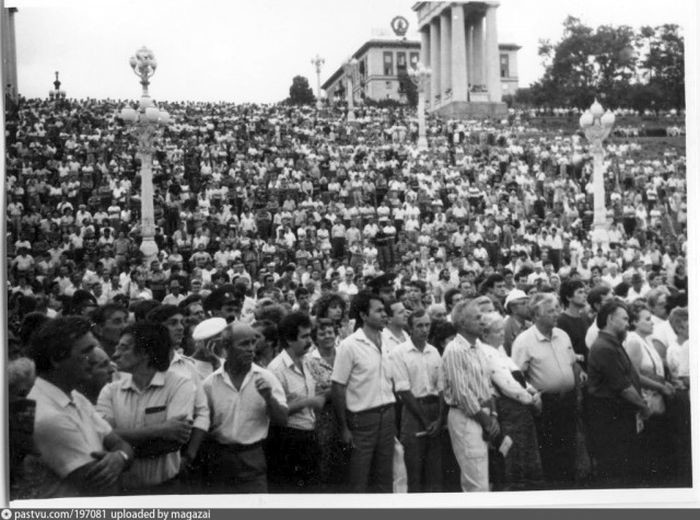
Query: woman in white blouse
{"points": [[655, 391], [516, 401]]}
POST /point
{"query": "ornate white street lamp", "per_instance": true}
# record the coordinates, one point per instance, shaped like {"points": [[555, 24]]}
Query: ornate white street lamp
{"points": [[597, 124], [145, 123], [318, 62], [421, 77], [57, 94], [349, 68]]}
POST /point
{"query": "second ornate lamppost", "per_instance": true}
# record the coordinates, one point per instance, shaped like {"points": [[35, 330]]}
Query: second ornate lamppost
{"points": [[145, 123]]}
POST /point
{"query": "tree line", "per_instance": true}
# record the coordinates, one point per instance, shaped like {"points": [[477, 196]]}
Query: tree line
{"points": [[639, 69]]}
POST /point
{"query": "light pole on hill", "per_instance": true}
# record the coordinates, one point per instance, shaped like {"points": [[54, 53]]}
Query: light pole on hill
{"points": [[421, 77], [317, 62], [349, 69], [145, 122], [57, 94], [597, 124]]}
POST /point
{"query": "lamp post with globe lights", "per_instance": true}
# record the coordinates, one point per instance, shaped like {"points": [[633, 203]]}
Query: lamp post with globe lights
{"points": [[596, 125], [317, 62], [349, 69], [145, 122], [57, 94], [421, 77]]}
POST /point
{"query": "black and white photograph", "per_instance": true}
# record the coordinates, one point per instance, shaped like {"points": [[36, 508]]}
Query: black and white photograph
{"points": [[266, 253]]}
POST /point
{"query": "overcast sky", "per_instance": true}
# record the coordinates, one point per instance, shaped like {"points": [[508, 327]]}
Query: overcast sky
{"points": [[249, 51]]}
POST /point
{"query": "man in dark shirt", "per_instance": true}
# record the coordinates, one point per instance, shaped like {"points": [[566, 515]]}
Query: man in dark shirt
{"points": [[573, 320], [614, 406]]}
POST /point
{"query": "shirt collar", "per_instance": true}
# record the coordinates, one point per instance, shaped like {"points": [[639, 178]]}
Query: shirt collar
{"points": [[52, 392], [224, 375], [127, 383], [464, 341], [541, 337], [287, 359]]}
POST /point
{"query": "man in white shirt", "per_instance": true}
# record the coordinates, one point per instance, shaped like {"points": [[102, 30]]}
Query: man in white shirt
{"points": [[294, 447], [347, 286], [243, 399], [419, 384], [363, 397], [394, 334], [84, 454]]}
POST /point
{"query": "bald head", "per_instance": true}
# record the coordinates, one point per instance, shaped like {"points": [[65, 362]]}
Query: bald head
{"points": [[240, 340]]}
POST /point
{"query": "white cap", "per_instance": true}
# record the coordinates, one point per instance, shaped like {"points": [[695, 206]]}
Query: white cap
{"points": [[515, 294], [208, 329]]}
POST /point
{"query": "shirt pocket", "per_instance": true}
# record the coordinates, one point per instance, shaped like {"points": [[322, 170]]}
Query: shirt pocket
{"points": [[155, 415]]}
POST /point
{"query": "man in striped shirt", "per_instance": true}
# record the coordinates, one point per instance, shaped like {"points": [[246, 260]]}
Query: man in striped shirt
{"points": [[468, 393]]}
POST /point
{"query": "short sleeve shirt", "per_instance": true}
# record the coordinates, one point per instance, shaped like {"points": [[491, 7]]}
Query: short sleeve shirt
{"points": [[547, 362], [66, 430], [610, 369], [126, 407], [417, 371], [365, 370], [239, 416]]}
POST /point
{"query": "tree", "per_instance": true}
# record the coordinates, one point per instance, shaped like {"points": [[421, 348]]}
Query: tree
{"points": [[300, 93], [610, 62], [408, 88], [663, 67]]}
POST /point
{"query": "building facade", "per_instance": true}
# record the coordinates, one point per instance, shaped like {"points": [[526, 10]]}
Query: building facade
{"points": [[468, 77], [381, 64]]}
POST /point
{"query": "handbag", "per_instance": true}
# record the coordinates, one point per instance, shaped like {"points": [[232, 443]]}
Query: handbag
{"points": [[653, 398], [654, 401]]}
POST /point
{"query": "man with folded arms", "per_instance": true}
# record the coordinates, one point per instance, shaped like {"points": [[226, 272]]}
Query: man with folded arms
{"points": [[85, 456], [243, 399]]}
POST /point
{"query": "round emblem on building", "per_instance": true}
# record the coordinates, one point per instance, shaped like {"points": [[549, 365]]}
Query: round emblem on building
{"points": [[399, 24]]}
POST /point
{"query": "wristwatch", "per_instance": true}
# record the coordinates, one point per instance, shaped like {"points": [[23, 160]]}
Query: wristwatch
{"points": [[125, 456]]}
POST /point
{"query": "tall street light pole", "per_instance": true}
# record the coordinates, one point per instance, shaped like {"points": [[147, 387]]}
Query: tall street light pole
{"points": [[145, 123], [597, 124], [421, 77], [318, 62], [349, 68]]}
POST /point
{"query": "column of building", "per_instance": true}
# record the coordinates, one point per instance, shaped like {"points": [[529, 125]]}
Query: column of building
{"points": [[435, 65], [459, 54], [493, 75], [445, 56], [460, 45], [9, 52], [425, 57]]}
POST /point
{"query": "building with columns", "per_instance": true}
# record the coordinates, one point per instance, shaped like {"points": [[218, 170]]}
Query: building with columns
{"points": [[9, 51], [469, 78], [459, 42], [381, 62]]}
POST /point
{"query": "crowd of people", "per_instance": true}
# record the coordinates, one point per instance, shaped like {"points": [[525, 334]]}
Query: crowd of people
{"points": [[333, 310]]}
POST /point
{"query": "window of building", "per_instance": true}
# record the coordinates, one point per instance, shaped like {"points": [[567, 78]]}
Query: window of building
{"points": [[363, 68], [415, 58], [400, 62], [388, 63], [505, 66]]}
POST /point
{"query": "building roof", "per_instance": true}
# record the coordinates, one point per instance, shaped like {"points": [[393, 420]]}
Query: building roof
{"points": [[509, 46], [397, 44]]}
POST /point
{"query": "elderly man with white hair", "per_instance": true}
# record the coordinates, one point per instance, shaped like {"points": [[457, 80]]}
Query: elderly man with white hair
{"points": [[545, 355], [468, 392]]}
